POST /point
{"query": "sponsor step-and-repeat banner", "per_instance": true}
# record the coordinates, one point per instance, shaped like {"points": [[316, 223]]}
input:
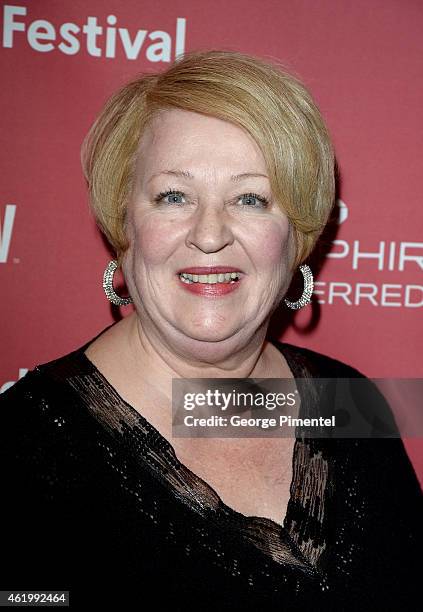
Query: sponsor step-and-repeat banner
{"points": [[363, 64]]}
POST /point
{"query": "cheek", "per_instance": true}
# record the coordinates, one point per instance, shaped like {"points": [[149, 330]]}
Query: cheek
{"points": [[153, 239], [271, 245]]}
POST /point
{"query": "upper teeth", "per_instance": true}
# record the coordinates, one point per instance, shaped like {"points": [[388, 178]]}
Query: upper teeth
{"points": [[210, 278]]}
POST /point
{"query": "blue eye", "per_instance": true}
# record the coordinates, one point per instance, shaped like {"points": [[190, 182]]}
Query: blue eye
{"points": [[253, 196], [174, 196]]}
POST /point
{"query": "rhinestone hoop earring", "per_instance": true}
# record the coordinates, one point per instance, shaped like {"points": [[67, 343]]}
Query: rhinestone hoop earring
{"points": [[307, 291], [108, 285]]}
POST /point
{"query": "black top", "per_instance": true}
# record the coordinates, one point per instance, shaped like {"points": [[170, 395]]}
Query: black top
{"points": [[96, 502]]}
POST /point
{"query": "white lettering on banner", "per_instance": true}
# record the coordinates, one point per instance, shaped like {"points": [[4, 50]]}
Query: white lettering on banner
{"points": [[6, 232], [386, 294], [384, 255], [41, 36], [386, 258], [10, 383], [379, 255], [403, 257]]}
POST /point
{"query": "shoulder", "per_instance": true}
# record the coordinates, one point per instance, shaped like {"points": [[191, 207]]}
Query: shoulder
{"points": [[309, 362], [47, 437], [49, 466], [38, 384], [378, 451], [41, 408], [45, 380], [19, 402]]}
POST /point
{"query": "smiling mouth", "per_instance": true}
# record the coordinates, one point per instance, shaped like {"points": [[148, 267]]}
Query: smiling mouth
{"points": [[211, 279]]}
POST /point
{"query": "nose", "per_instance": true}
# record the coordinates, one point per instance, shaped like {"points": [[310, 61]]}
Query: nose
{"points": [[210, 230]]}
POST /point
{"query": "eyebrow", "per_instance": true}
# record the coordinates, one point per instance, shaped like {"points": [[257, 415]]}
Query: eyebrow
{"points": [[185, 174]]}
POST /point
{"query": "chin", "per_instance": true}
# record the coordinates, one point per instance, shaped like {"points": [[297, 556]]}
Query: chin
{"points": [[210, 335]]}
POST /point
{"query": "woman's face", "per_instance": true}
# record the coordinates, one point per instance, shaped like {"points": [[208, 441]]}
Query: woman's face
{"points": [[211, 218]]}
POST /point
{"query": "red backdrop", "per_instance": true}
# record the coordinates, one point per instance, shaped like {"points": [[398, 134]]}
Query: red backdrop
{"points": [[363, 63]]}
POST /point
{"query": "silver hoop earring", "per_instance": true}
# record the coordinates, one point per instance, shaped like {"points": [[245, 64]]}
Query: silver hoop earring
{"points": [[111, 294], [307, 291]]}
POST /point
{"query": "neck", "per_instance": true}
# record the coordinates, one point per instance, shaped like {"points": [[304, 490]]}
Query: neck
{"points": [[162, 359]]}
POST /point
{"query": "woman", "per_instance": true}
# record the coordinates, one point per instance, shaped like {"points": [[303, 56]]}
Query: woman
{"points": [[212, 181]]}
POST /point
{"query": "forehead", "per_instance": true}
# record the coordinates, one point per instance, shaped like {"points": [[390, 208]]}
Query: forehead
{"points": [[179, 138]]}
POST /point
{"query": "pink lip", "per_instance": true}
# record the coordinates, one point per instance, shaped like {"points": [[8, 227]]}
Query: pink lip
{"points": [[209, 270]]}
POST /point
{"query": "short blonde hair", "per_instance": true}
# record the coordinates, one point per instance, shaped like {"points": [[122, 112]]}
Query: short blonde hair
{"points": [[273, 106]]}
